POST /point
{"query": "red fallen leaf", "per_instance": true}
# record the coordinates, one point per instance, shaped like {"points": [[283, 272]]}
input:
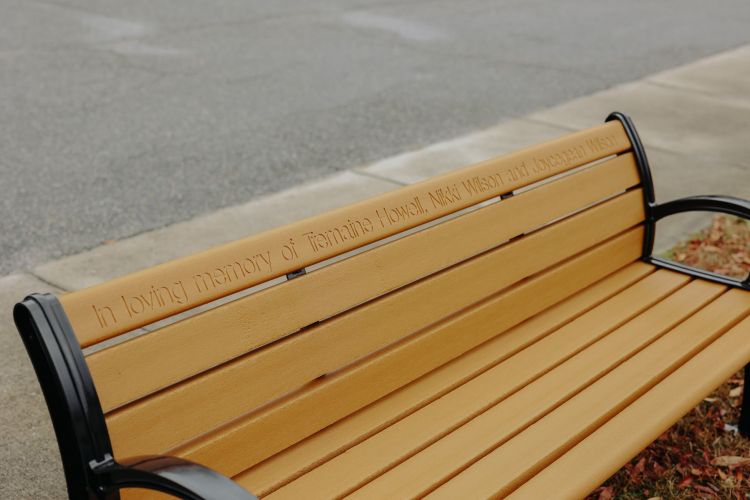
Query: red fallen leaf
{"points": [[687, 481], [606, 493], [638, 469]]}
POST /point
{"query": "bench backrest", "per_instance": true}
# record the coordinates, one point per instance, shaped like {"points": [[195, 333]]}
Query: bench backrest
{"points": [[395, 286]]}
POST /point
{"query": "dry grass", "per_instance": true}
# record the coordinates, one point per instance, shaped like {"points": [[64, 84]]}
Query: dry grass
{"points": [[701, 456]]}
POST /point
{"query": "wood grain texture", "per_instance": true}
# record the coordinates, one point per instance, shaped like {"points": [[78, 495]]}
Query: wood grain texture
{"points": [[574, 474], [507, 467], [331, 398], [171, 417], [126, 303], [141, 366], [324, 445], [407, 437]]}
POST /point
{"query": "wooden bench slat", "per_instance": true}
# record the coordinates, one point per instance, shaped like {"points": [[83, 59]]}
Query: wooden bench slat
{"points": [[143, 494], [364, 462], [429, 468], [256, 437], [574, 474], [103, 311], [304, 456], [180, 413], [507, 467], [133, 369], [462, 369]]}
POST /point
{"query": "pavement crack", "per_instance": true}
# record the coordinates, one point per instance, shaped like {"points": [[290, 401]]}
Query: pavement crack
{"points": [[383, 178], [46, 281]]}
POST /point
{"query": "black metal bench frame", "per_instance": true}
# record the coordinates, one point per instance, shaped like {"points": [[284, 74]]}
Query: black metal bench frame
{"points": [[91, 470]]}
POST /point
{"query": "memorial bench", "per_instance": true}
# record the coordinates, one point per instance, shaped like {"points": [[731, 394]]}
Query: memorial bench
{"points": [[501, 330]]}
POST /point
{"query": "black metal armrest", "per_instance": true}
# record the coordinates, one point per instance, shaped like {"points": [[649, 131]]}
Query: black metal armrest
{"points": [[172, 475], [711, 203]]}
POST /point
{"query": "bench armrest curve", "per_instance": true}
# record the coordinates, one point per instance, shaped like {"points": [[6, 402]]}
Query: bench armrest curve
{"points": [[172, 475], [707, 203]]}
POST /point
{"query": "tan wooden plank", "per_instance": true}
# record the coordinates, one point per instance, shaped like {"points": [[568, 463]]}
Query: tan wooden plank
{"points": [[364, 462], [295, 461], [128, 371], [452, 374], [126, 303], [143, 494], [507, 467], [594, 459], [428, 469], [251, 439], [177, 414]]}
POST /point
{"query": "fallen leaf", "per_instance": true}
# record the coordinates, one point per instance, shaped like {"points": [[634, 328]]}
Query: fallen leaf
{"points": [[639, 468], [706, 489], [685, 482], [606, 493], [730, 461], [736, 392]]}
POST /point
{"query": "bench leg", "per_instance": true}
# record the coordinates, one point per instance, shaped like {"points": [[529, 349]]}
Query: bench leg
{"points": [[744, 425]]}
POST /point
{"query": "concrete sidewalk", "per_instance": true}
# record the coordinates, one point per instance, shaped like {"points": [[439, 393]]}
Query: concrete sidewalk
{"points": [[694, 120]]}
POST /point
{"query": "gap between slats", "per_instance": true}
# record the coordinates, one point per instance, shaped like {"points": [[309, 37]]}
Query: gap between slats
{"points": [[420, 430], [426, 470], [515, 461], [574, 474], [324, 445]]}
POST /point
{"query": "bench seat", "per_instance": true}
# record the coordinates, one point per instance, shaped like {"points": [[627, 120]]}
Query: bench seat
{"points": [[503, 329], [526, 408]]}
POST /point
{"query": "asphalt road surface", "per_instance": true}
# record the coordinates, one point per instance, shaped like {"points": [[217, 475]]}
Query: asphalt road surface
{"points": [[118, 117]]}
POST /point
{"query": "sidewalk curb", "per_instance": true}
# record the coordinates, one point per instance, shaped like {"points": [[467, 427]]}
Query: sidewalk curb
{"points": [[678, 170]]}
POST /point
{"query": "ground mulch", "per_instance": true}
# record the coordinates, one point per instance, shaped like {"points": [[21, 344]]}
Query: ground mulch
{"points": [[702, 456]]}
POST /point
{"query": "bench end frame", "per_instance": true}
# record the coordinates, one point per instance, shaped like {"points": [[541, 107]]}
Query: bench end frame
{"points": [[78, 420], [647, 180], [657, 211], [68, 389]]}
